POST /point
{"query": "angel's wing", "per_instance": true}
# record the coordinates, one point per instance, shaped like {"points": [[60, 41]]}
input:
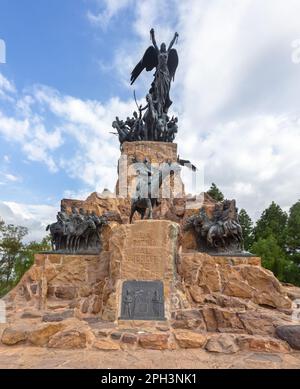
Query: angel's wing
{"points": [[148, 62], [172, 62]]}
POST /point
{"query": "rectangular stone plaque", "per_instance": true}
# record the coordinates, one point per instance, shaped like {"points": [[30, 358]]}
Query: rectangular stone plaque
{"points": [[142, 300]]}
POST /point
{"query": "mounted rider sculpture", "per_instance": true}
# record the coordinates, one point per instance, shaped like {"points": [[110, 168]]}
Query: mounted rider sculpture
{"points": [[220, 233], [149, 182], [78, 231]]}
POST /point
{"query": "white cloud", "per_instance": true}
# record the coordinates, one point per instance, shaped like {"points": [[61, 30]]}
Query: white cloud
{"points": [[6, 85], [11, 177], [34, 217], [110, 9], [236, 91], [89, 123], [236, 94], [13, 129], [28, 129]]}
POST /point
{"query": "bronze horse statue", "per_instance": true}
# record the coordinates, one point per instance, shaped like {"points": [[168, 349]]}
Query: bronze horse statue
{"points": [[144, 201], [218, 233]]}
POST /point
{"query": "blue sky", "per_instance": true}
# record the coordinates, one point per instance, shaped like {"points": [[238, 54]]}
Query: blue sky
{"points": [[66, 76], [55, 44]]}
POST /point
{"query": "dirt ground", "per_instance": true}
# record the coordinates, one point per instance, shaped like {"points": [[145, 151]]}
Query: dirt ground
{"points": [[35, 357]]}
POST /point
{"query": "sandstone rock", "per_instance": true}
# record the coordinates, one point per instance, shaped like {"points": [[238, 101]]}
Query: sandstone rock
{"points": [[196, 293], [97, 305], [259, 343], [85, 291], [209, 277], [222, 320], [154, 341], [190, 339], [14, 335], [228, 302], [268, 289], [110, 307], [163, 328], [189, 319], [34, 288], [238, 288], [223, 275], [257, 323], [116, 335], [85, 306], [106, 344], [293, 292], [156, 152], [40, 335], [65, 292], [68, 339], [224, 343], [129, 338], [132, 245], [35, 273], [290, 334], [56, 317], [32, 314], [50, 271]]}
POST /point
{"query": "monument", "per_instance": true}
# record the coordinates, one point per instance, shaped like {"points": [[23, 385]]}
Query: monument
{"points": [[154, 124], [149, 266]]}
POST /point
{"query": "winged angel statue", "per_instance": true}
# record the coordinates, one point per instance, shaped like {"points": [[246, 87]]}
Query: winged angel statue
{"points": [[154, 124]]}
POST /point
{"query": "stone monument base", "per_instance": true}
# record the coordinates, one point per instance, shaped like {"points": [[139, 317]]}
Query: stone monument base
{"points": [[142, 256], [144, 291]]}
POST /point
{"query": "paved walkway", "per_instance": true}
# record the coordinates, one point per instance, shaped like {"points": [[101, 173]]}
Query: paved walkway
{"points": [[35, 357]]}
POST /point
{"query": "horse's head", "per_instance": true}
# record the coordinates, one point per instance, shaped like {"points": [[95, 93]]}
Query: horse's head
{"points": [[192, 222], [91, 224]]}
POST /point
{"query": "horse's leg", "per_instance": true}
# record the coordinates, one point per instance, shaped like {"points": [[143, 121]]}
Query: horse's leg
{"points": [[74, 243], [149, 209], [78, 243], [71, 243], [57, 247], [67, 242], [223, 242], [133, 209], [87, 239], [210, 239]]}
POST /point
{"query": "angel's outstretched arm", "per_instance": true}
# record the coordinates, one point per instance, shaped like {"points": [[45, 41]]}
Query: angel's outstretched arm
{"points": [[173, 41], [153, 39]]}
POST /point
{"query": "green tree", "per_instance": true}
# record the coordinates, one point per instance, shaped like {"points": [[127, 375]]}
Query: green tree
{"points": [[11, 247], [215, 193], [26, 258], [291, 273], [273, 257], [293, 233], [15, 256], [247, 226], [273, 221]]}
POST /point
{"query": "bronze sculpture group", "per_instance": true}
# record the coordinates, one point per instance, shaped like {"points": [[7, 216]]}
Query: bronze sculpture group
{"points": [[154, 124], [80, 231], [77, 231], [221, 232]]}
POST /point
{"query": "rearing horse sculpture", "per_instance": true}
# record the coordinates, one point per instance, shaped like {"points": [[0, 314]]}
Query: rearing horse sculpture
{"points": [[148, 188]]}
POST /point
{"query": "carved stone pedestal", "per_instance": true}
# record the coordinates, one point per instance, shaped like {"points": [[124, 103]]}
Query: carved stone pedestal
{"points": [[142, 270]]}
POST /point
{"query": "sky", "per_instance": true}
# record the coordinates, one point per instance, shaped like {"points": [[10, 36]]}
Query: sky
{"points": [[66, 76]]}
